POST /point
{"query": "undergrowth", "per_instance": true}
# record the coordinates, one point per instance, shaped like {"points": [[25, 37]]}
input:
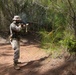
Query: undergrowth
{"points": [[57, 43]]}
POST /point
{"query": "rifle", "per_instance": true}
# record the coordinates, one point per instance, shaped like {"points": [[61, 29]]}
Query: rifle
{"points": [[24, 25]]}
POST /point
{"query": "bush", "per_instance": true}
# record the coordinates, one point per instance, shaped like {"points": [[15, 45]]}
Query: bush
{"points": [[50, 39], [71, 46]]}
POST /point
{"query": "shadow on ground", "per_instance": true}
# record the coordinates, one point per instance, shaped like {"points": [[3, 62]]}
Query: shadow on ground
{"points": [[28, 69], [33, 68]]}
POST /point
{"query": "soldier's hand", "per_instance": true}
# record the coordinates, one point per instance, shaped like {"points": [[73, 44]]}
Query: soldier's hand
{"points": [[20, 25], [27, 24], [24, 25]]}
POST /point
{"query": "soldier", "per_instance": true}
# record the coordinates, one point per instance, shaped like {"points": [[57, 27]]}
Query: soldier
{"points": [[15, 28]]}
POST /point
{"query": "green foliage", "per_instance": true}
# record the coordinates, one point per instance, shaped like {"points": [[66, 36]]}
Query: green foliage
{"points": [[69, 41], [72, 46], [44, 37], [51, 39]]}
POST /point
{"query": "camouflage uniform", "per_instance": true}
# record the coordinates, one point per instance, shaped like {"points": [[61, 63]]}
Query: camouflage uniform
{"points": [[15, 28], [15, 38]]}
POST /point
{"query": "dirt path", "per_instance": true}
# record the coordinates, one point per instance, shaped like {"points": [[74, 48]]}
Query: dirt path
{"points": [[36, 61]]}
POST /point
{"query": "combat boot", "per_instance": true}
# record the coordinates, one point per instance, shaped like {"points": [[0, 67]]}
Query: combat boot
{"points": [[16, 66]]}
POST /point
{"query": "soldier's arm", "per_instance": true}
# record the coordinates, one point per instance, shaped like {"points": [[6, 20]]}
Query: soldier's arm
{"points": [[16, 28]]}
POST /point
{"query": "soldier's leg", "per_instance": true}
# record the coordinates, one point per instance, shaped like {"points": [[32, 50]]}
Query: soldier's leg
{"points": [[16, 46]]}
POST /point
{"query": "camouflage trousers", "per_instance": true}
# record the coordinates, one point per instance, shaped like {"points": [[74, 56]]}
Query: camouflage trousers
{"points": [[16, 47]]}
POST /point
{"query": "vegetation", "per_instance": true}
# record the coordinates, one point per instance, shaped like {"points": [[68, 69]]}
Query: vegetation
{"points": [[53, 20]]}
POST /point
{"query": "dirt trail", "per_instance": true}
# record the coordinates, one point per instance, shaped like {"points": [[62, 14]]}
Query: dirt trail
{"points": [[36, 61]]}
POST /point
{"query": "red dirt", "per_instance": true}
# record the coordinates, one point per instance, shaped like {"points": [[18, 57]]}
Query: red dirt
{"points": [[36, 61]]}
